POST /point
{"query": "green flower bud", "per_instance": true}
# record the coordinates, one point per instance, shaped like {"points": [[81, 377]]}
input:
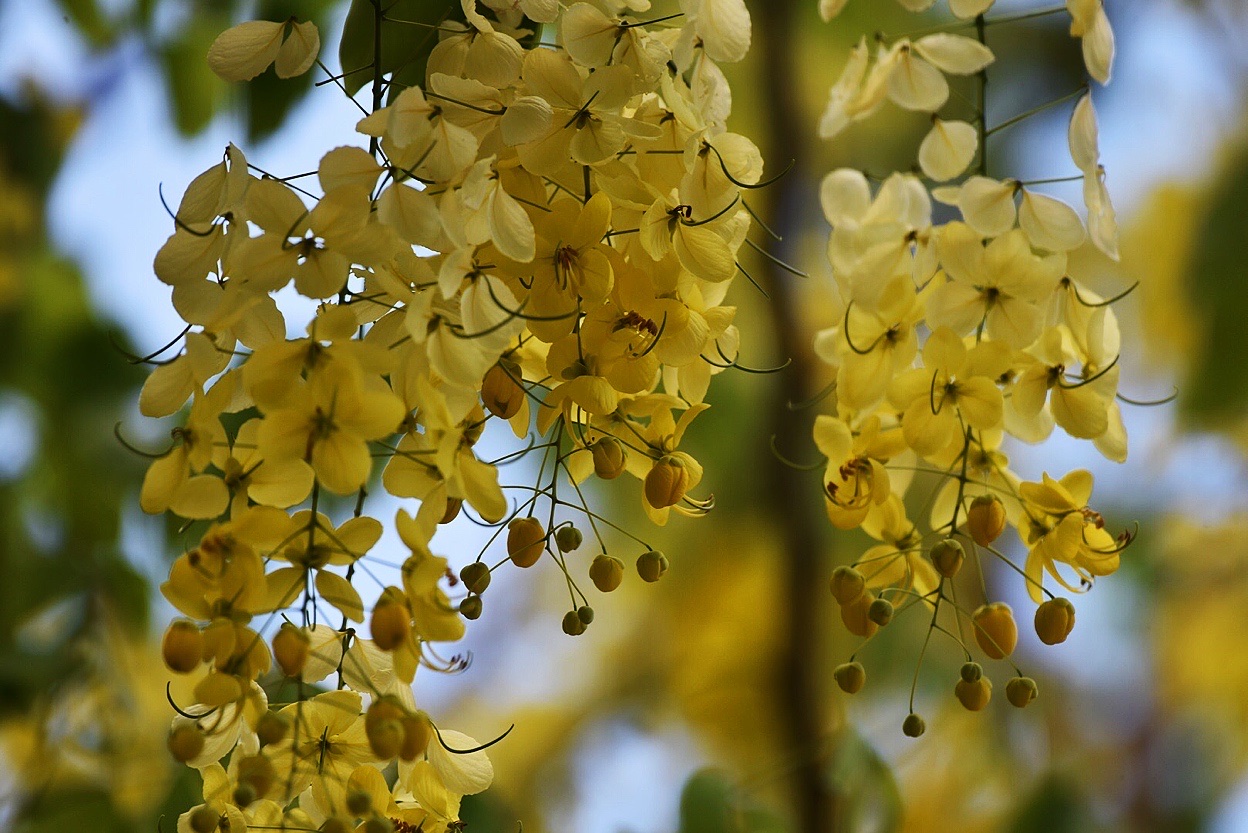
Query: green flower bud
{"points": [[476, 577], [470, 607], [913, 726], [1020, 691], [585, 613], [880, 612], [850, 676], [847, 584], [204, 819], [947, 557], [185, 742], [652, 565], [971, 671], [572, 624], [568, 538], [359, 803]]}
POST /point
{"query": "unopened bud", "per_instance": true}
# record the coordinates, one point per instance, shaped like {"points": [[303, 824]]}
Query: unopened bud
{"points": [[1020, 691], [182, 647], [385, 738], [392, 620], [185, 742], [476, 577], [651, 565], [499, 391], [526, 538], [666, 482], [974, 696], [568, 538], [850, 676], [609, 458], [913, 726], [244, 795], [985, 520], [855, 617], [272, 728], [572, 624], [995, 629], [606, 572], [947, 557], [880, 612], [257, 772], [290, 648], [1055, 619], [453, 505], [586, 614], [417, 734], [471, 608], [204, 819], [359, 803], [971, 671], [378, 824], [847, 584]]}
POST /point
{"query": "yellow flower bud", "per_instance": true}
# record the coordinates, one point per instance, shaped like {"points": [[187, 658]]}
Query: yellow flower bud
{"points": [[272, 727], [417, 734], [185, 742], [204, 819], [609, 457], [572, 624], [568, 538], [499, 391], [850, 676], [974, 696], [476, 577], [183, 646], [385, 738], [290, 649], [606, 572], [995, 629], [947, 557], [453, 505], [666, 482], [847, 584], [1055, 619], [392, 620], [855, 617], [470, 608], [257, 772], [880, 612], [651, 565], [1020, 691], [526, 538], [913, 726], [985, 520]]}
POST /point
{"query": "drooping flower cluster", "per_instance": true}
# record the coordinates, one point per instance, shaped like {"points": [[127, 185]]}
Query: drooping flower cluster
{"points": [[544, 233], [957, 334]]}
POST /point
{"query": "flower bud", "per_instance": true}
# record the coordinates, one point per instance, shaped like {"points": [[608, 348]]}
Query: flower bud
{"points": [[985, 520], [470, 608], [359, 803], [651, 565], [417, 734], [572, 624], [1055, 619], [183, 646], [855, 617], [290, 649], [586, 614], [257, 772], [453, 505], [272, 728], [244, 795], [971, 671], [913, 726], [476, 577], [995, 630], [609, 458], [947, 557], [568, 538], [666, 482], [185, 742], [1020, 691], [392, 620], [606, 572], [204, 819], [385, 738], [880, 612], [378, 824], [499, 391], [526, 538], [850, 676], [847, 584], [974, 696]]}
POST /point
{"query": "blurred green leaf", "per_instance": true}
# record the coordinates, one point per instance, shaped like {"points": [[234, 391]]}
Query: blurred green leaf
{"points": [[194, 89], [1056, 806], [710, 803], [86, 16], [1217, 389], [870, 791], [405, 47]]}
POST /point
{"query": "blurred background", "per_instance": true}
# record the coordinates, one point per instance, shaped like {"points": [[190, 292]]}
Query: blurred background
{"points": [[704, 703]]}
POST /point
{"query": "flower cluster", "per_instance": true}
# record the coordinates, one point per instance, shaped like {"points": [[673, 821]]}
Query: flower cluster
{"points": [[957, 334], [542, 234]]}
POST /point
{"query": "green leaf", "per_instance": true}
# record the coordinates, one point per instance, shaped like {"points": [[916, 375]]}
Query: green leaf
{"points": [[405, 47], [860, 775], [710, 803], [195, 91], [86, 16], [1056, 806], [1217, 389]]}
